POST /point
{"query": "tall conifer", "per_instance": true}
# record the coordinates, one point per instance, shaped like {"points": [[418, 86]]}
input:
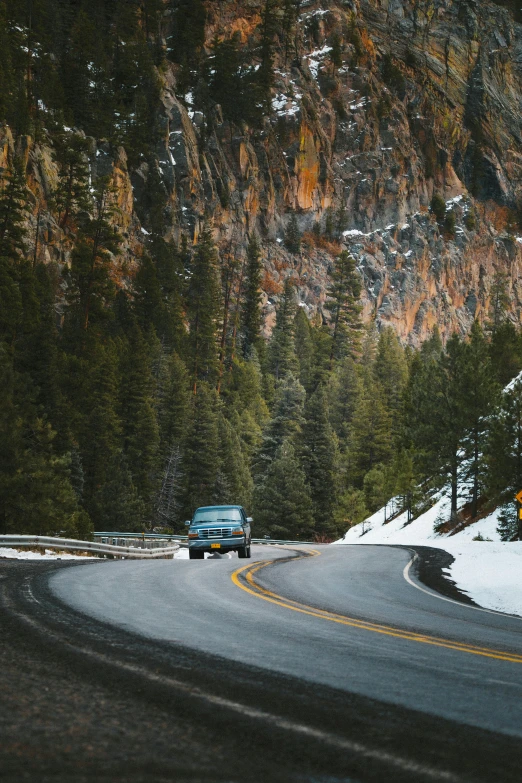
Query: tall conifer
{"points": [[201, 453], [343, 304], [282, 503], [281, 350], [317, 450], [251, 314], [203, 309]]}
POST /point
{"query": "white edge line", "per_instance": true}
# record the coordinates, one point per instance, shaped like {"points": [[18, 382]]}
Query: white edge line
{"points": [[351, 746], [433, 594]]}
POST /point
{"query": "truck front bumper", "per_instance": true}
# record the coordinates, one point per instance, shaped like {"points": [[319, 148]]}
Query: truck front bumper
{"points": [[217, 544]]}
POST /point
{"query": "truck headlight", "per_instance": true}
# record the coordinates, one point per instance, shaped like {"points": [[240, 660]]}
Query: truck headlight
{"points": [[237, 531]]}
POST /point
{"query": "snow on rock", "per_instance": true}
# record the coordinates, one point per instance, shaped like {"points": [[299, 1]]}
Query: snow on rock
{"points": [[314, 59]]}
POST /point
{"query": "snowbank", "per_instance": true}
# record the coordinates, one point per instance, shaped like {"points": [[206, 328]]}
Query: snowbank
{"points": [[490, 572], [49, 554]]}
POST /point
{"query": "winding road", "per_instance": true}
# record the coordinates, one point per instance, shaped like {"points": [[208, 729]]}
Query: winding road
{"points": [[336, 659], [377, 635]]}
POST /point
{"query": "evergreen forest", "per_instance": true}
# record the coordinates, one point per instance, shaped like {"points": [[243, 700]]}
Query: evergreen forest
{"points": [[127, 400]]}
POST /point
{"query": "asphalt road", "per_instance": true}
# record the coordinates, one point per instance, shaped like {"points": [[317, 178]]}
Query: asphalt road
{"points": [[197, 604], [323, 667]]}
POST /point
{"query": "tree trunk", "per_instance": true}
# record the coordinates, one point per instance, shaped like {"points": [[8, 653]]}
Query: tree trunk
{"points": [[474, 498], [454, 489]]}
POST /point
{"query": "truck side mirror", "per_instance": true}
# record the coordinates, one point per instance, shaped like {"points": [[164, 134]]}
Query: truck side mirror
{"points": [[249, 519], [187, 523]]}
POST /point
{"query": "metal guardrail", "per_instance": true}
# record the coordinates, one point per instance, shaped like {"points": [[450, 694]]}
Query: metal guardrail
{"points": [[74, 545], [140, 536], [173, 537], [279, 541]]}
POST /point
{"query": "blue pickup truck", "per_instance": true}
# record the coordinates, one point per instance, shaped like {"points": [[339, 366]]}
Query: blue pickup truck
{"points": [[219, 529]]}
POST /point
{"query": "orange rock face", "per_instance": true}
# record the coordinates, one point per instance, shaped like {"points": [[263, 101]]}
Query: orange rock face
{"points": [[422, 99]]}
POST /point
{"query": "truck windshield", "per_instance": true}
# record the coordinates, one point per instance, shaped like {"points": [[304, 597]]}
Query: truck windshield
{"points": [[216, 515]]}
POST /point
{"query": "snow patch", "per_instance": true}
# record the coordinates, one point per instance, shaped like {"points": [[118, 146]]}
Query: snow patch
{"points": [[315, 57], [48, 554]]}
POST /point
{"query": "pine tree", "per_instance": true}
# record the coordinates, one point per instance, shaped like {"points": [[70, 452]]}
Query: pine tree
{"points": [[229, 82], [317, 450], [369, 346], [343, 304], [289, 25], [293, 235], [377, 489], [236, 478], [231, 270], [265, 73], [499, 301], [371, 432], [148, 299], [7, 67], [282, 504], [251, 312], [244, 389], [304, 347], [350, 510], [36, 349], [71, 196], [405, 482], [249, 431], [336, 54], [172, 401], [14, 212], [281, 350], [36, 496], [11, 311], [170, 274], [391, 373], [503, 458], [138, 417], [187, 36], [115, 503], [480, 392], [90, 287], [322, 343], [286, 422], [203, 312], [90, 383], [505, 350], [201, 452], [436, 414], [345, 389]]}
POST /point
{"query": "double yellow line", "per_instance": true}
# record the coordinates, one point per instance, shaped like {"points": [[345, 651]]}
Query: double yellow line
{"points": [[244, 578]]}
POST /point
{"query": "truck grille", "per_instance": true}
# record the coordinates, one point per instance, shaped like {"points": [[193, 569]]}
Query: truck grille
{"points": [[216, 532]]}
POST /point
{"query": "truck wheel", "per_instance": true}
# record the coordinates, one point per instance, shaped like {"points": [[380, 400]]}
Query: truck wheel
{"points": [[242, 551], [194, 554]]}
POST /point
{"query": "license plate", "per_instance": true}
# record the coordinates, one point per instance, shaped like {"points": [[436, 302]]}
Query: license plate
{"points": [[215, 546]]}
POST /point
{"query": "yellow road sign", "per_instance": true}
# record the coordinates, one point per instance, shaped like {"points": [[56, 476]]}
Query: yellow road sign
{"points": [[518, 496]]}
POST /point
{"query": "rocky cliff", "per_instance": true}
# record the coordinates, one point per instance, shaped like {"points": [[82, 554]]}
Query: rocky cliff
{"points": [[376, 108]]}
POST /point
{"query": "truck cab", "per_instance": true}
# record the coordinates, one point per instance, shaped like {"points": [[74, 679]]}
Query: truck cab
{"points": [[219, 529]]}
